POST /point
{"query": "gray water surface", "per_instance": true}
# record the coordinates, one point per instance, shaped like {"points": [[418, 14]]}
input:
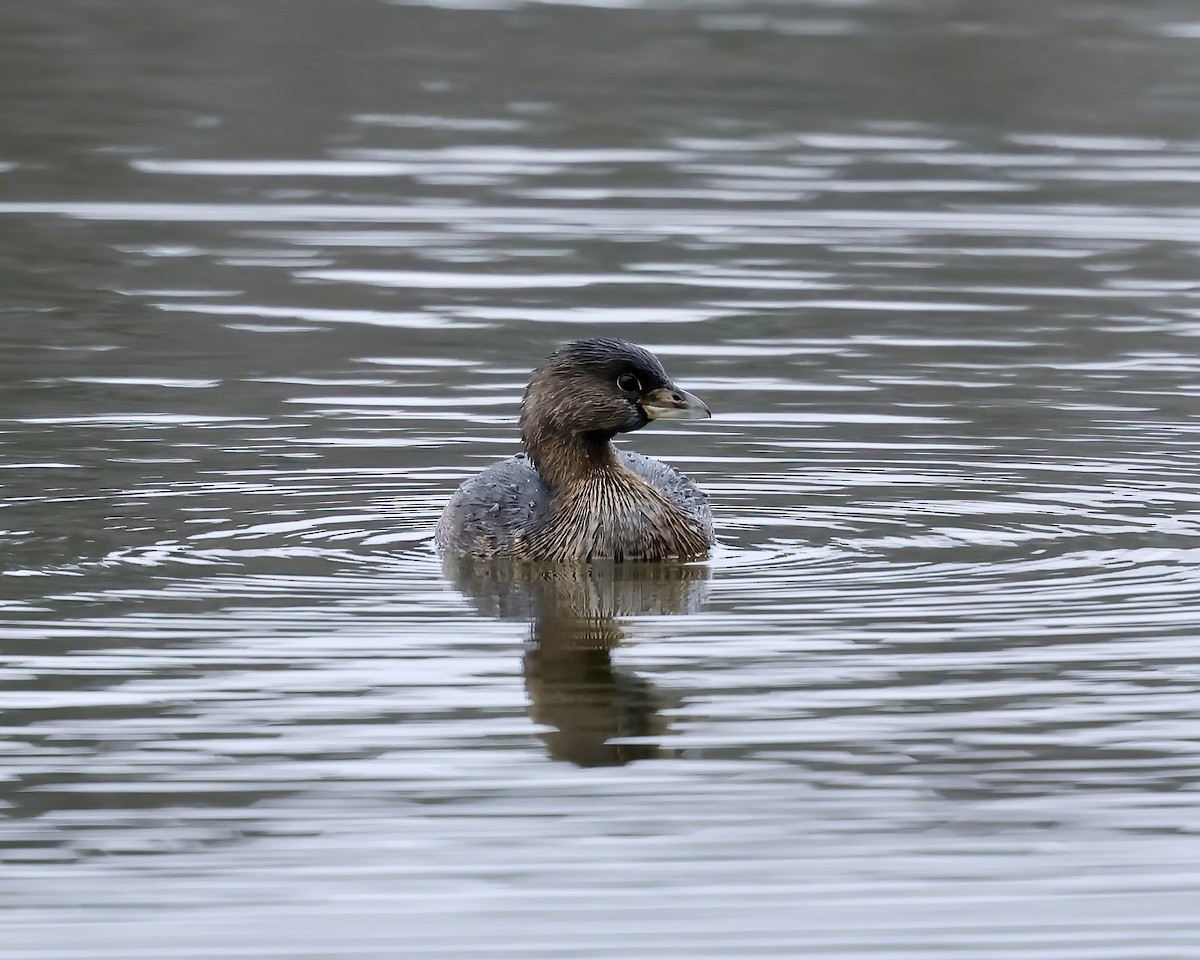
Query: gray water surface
{"points": [[274, 274]]}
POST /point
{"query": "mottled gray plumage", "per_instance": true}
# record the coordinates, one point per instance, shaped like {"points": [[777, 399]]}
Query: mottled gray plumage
{"points": [[500, 513], [572, 495]]}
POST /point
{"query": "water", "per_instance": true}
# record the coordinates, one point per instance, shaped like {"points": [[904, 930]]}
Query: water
{"points": [[274, 276]]}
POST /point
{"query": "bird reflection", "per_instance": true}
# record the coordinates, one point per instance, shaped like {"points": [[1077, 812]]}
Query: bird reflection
{"points": [[589, 706]]}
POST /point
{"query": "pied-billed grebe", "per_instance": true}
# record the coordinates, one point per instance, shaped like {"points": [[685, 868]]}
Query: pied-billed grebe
{"points": [[572, 495]]}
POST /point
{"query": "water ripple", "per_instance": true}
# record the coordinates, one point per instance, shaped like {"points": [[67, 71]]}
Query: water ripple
{"points": [[273, 288]]}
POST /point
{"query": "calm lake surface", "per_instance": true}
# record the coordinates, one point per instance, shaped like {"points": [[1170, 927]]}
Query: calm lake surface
{"points": [[274, 274]]}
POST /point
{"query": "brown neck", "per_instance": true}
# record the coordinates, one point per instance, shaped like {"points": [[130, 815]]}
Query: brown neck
{"points": [[564, 459]]}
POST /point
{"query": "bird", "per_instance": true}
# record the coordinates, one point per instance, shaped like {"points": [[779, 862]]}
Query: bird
{"points": [[571, 495]]}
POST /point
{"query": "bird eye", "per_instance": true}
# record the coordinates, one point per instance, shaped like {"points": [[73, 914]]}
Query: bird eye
{"points": [[629, 383]]}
